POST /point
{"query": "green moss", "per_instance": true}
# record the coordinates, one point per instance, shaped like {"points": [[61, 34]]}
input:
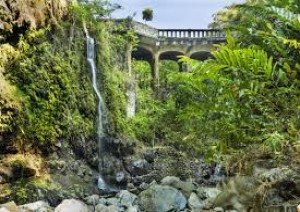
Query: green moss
{"points": [[52, 75]]}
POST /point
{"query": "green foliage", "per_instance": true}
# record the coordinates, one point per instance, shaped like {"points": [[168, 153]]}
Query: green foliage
{"points": [[58, 99], [9, 100]]}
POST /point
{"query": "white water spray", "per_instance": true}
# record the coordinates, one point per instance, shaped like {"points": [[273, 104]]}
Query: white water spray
{"points": [[90, 51]]}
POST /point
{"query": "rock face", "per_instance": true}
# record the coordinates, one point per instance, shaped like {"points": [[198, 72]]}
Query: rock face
{"points": [[161, 199], [72, 205], [33, 13]]}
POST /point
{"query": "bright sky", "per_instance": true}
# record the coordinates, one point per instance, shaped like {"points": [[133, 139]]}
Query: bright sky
{"points": [[174, 13]]}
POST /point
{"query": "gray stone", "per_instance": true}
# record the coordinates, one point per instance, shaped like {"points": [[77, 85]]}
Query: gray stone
{"points": [[102, 201], [73, 205], [169, 180], [113, 208], [207, 192], [101, 208], [140, 167], [185, 187], [195, 203], [126, 198], [113, 201], [132, 209], [10, 206], [218, 209], [92, 200], [120, 177], [35, 206], [161, 199]]}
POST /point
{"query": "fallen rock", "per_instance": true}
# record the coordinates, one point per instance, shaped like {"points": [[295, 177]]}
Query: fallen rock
{"points": [[169, 180], [35, 206], [73, 205], [195, 203], [92, 200], [112, 208], [126, 198], [101, 208], [10, 206], [161, 199], [132, 209]]}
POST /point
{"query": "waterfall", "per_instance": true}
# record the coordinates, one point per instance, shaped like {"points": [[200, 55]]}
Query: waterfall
{"points": [[90, 52]]}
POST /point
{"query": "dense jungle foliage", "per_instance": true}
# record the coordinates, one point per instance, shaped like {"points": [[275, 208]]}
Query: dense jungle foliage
{"points": [[246, 94]]}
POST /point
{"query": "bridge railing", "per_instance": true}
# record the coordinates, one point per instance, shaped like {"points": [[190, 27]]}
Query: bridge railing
{"points": [[144, 29], [148, 31], [191, 33]]}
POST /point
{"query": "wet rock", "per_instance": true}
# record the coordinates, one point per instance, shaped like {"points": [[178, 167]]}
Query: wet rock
{"points": [[150, 156], [72, 205], [185, 187], [207, 192], [195, 203], [92, 200], [113, 201], [121, 147], [102, 201], [126, 198], [10, 206], [161, 199], [120, 177], [140, 167], [169, 180], [132, 209], [101, 208], [218, 209], [35, 206], [113, 208]]}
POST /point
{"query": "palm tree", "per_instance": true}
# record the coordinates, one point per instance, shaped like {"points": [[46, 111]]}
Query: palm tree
{"points": [[147, 14]]}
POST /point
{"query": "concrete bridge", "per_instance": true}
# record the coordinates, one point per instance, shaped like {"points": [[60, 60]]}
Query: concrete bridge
{"points": [[168, 44]]}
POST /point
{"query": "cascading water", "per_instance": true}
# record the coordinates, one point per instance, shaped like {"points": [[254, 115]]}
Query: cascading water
{"points": [[90, 52]]}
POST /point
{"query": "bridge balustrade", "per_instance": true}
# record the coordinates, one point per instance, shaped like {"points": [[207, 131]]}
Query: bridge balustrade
{"points": [[181, 33]]}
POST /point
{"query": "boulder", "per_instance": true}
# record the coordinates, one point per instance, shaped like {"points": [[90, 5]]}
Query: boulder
{"points": [[113, 208], [169, 180], [35, 206], [73, 205], [10, 206], [92, 200], [132, 209], [113, 201], [140, 167], [150, 156], [195, 203], [126, 198], [185, 187], [161, 199], [101, 208]]}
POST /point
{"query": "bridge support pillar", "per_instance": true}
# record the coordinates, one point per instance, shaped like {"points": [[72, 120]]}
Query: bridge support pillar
{"points": [[131, 92], [183, 67], [155, 72]]}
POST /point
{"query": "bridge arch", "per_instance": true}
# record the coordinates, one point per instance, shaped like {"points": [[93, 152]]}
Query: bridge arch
{"points": [[170, 55], [201, 55], [142, 53]]}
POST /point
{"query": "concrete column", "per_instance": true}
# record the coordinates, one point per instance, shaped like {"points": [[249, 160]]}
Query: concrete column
{"points": [[155, 72], [131, 92], [183, 67]]}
